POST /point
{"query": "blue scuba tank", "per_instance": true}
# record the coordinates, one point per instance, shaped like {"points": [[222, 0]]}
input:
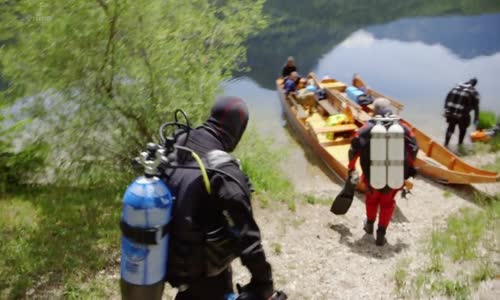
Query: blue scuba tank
{"points": [[147, 209]]}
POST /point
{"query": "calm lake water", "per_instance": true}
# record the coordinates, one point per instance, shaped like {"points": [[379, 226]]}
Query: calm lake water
{"points": [[416, 60]]}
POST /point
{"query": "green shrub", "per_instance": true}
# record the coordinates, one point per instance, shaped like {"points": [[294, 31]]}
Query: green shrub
{"points": [[17, 166], [487, 119]]}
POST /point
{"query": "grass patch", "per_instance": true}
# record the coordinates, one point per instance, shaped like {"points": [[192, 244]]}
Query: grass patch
{"points": [[312, 199], [436, 247], [96, 288], [459, 256], [277, 248], [52, 236], [261, 163], [491, 146], [494, 167], [456, 289], [401, 275], [296, 222], [447, 194], [485, 271]]}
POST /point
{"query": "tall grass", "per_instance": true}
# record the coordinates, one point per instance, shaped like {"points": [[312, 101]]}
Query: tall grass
{"points": [[55, 235], [470, 238], [261, 162]]}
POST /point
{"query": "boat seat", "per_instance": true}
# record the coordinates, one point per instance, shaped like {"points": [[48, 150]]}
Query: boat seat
{"points": [[337, 85], [327, 106], [336, 129], [301, 112]]}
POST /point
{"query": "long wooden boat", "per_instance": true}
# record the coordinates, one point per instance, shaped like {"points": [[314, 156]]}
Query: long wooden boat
{"points": [[433, 159], [310, 124]]}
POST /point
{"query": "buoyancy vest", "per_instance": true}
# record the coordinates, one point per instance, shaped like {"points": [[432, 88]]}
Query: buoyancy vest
{"points": [[458, 101], [202, 243]]}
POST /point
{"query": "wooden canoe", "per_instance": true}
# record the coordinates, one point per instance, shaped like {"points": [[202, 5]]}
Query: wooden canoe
{"points": [[311, 127], [433, 159]]}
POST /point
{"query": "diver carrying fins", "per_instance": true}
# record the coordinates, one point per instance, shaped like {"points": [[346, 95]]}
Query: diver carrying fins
{"points": [[387, 150]]}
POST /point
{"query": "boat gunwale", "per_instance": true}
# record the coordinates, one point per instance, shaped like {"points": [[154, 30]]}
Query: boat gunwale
{"points": [[476, 175]]}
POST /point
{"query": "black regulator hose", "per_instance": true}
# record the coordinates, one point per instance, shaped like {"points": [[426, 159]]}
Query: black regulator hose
{"points": [[186, 127], [172, 141]]}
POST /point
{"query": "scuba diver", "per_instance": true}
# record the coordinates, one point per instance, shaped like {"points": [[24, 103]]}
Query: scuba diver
{"points": [[459, 102], [212, 220], [387, 150]]}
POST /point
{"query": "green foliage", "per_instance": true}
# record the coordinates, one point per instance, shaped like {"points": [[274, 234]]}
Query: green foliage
{"points": [[18, 166], [54, 236], [104, 74], [487, 119]]}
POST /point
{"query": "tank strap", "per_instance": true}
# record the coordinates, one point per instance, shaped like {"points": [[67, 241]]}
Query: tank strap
{"points": [[146, 236], [217, 158]]}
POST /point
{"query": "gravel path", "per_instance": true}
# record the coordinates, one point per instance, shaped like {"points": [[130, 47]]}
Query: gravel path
{"points": [[317, 255]]}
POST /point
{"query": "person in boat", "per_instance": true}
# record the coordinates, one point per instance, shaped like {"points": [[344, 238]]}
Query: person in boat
{"points": [[213, 226], [382, 200], [291, 84], [457, 107], [307, 96], [289, 67]]}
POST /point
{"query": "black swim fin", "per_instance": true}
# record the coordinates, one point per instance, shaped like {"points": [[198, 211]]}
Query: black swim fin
{"points": [[343, 201]]}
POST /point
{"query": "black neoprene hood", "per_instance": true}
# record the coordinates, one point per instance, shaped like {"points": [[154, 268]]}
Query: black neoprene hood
{"points": [[228, 120]]}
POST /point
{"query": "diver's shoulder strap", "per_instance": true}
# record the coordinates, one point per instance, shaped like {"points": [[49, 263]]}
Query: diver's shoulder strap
{"points": [[216, 158]]}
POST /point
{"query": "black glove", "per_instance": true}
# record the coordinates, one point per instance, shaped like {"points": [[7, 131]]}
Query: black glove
{"points": [[255, 290]]}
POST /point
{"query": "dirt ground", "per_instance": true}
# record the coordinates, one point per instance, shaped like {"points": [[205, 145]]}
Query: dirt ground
{"points": [[318, 255]]}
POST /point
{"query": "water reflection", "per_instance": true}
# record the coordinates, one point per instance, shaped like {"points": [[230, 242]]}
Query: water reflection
{"points": [[415, 60], [466, 36]]}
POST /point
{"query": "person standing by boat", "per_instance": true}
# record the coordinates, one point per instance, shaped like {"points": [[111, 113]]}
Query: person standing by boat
{"points": [[382, 198], [459, 102], [289, 67]]}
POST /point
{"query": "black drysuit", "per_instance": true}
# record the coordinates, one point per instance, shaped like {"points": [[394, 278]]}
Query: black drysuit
{"points": [[200, 269], [459, 102]]}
